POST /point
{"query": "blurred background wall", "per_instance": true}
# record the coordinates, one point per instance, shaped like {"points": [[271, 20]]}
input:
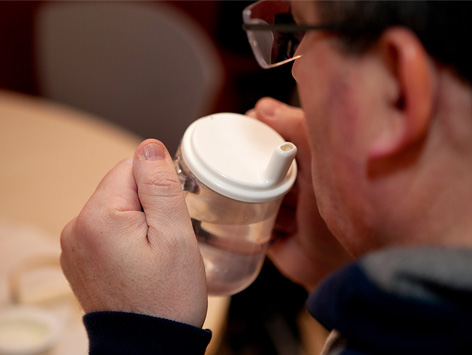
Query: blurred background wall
{"points": [[244, 83]]}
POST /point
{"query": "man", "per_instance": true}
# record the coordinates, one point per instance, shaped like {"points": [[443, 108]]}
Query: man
{"points": [[385, 143]]}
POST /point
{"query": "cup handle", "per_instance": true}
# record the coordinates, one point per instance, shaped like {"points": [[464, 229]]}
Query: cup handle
{"points": [[189, 183]]}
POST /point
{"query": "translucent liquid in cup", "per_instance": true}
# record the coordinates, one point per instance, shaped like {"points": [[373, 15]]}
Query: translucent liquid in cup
{"points": [[234, 171], [231, 263]]}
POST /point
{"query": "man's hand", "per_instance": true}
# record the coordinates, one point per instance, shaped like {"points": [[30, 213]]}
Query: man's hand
{"points": [[305, 250], [132, 247]]}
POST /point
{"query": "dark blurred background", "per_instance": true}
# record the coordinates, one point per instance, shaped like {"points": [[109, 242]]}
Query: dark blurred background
{"points": [[268, 317], [221, 20]]}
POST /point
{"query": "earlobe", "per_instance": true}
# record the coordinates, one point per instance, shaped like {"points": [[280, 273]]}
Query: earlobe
{"points": [[410, 111]]}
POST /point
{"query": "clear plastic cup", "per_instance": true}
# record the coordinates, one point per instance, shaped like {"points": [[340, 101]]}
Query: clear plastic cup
{"points": [[234, 171]]}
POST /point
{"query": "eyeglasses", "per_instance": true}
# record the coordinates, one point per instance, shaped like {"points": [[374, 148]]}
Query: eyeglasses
{"points": [[272, 32]]}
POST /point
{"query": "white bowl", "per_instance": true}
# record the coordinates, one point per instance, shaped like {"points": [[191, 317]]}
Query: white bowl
{"points": [[27, 331]]}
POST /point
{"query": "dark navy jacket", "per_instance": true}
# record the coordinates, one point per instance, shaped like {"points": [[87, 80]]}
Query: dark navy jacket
{"points": [[401, 301]]}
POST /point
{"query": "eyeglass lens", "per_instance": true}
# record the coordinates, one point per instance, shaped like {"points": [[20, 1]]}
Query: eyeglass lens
{"points": [[272, 48]]}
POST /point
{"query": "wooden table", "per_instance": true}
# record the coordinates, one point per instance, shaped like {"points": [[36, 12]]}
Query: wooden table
{"points": [[52, 158]]}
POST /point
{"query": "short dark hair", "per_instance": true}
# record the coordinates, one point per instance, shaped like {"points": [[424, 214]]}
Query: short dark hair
{"points": [[444, 27]]}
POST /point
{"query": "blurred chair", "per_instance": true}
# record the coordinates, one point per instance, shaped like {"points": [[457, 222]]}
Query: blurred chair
{"points": [[143, 65]]}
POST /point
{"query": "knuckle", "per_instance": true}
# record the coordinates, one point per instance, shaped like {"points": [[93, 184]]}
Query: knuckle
{"points": [[298, 117], [91, 226], [86, 223], [66, 238], [163, 184]]}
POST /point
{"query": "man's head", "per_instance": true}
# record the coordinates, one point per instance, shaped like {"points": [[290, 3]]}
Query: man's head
{"points": [[389, 122], [386, 90], [442, 26]]}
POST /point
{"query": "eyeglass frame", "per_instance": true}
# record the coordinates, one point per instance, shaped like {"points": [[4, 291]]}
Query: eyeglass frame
{"points": [[281, 28], [289, 27]]}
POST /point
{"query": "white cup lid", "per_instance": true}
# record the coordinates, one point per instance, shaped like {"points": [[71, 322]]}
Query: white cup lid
{"points": [[239, 157]]}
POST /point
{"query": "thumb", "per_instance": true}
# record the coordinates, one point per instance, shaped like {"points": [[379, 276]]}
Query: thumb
{"points": [[283, 118], [159, 190]]}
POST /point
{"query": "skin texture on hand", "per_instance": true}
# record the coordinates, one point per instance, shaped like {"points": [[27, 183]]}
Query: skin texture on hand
{"points": [[132, 248], [305, 250]]}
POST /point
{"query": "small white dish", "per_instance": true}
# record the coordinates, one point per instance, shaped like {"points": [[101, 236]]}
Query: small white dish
{"points": [[27, 330]]}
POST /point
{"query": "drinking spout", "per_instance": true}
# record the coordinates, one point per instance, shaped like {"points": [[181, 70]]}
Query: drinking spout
{"points": [[279, 163]]}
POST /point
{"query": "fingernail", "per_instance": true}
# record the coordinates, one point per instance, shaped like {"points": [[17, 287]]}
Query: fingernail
{"points": [[269, 108], [153, 152]]}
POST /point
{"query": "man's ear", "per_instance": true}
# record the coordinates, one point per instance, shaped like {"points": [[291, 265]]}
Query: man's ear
{"points": [[410, 109]]}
